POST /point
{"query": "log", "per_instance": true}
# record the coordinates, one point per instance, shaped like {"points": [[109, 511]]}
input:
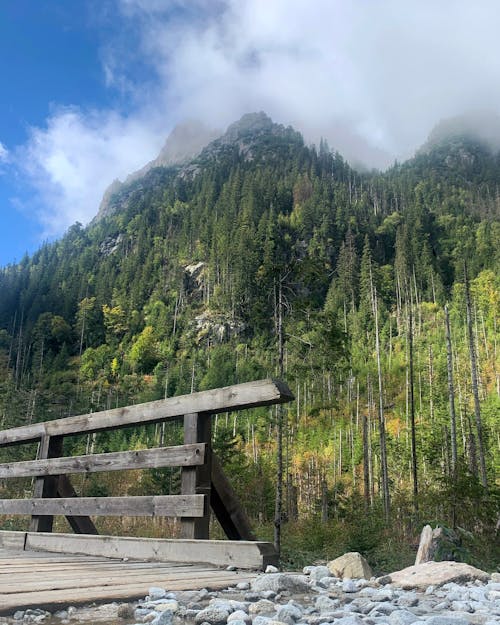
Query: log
{"points": [[181, 455], [242, 554], [237, 397], [150, 506]]}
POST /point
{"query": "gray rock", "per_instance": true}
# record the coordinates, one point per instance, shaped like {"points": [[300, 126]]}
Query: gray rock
{"points": [[461, 606], [318, 572], [271, 569], [243, 585], [214, 615], [279, 582], [164, 618], [289, 613], [402, 617], [349, 585], [239, 615], [263, 606], [353, 619], [326, 604], [408, 599], [125, 611], [156, 593], [444, 619]]}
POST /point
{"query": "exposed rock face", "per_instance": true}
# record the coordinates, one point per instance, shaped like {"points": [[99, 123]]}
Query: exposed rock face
{"points": [[351, 565], [436, 574]]}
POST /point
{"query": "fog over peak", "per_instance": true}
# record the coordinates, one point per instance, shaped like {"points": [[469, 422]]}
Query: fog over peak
{"points": [[372, 78]]}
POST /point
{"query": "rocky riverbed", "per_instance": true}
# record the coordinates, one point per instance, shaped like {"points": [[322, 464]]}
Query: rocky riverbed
{"points": [[458, 596]]}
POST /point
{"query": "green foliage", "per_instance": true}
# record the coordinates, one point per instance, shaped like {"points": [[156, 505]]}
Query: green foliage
{"points": [[177, 289]]}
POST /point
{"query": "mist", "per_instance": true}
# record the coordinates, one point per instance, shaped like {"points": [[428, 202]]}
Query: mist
{"points": [[372, 78]]}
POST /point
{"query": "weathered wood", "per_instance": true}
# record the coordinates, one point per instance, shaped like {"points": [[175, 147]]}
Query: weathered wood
{"points": [[12, 539], [182, 455], [227, 507], [242, 554], [196, 480], [150, 506], [44, 487], [79, 524], [237, 397], [54, 581]]}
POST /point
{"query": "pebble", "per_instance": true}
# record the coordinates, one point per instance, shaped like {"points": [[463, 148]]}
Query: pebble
{"points": [[313, 598]]}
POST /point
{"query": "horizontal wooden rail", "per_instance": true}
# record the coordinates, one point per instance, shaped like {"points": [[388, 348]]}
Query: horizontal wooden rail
{"points": [[180, 456], [155, 506], [247, 395]]}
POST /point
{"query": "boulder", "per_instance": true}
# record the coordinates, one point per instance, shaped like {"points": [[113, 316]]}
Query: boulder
{"points": [[351, 565], [422, 576], [278, 582]]}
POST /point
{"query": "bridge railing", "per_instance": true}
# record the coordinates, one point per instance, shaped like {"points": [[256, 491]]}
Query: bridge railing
{"points": [[203, 482]]}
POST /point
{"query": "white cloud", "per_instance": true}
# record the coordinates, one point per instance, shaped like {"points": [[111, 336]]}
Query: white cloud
{"points": [[4, 153], [371, 77], [75, 157]]}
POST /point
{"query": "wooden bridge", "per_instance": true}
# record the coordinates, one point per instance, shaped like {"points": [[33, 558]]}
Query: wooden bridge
{"points": [[38, 567]]}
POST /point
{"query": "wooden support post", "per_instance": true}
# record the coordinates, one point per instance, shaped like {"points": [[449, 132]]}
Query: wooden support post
{"points": [[197, 480], [46, 487], [79, 524], [227, 507]]}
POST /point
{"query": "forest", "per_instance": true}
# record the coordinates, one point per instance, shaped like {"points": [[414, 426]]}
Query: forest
{"points": [[374, 295]]}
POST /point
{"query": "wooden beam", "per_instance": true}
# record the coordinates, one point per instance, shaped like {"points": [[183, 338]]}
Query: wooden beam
{"points": [[150, 506], [242, 554], [79, 524], [227, 507], [181, 455], [50, 447], [196, 480], [237, 397]]}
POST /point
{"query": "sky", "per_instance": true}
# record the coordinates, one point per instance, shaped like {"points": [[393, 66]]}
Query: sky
{"points": [[92, 88]]}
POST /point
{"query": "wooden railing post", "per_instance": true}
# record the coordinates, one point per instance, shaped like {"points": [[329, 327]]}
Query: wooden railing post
{"points": [[197, 480], [46, 487]]}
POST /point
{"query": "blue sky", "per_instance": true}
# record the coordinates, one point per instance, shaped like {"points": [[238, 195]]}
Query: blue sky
{"points": [[91, 88]]}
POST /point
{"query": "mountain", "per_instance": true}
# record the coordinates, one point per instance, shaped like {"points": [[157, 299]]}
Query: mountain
{"points": [[181, 281]]}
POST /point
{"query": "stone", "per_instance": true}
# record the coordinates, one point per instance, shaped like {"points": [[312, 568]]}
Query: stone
{"points": [[271, 569], [353, 619], [164, 618], [171, 605], [349, 585], [289, 613], [317, 573], [263, 606], [432, 574], [437, 544], [402, 617], [326, 604], [444, 619], [125, 611], [215, 615], [156, 593], [279, 582], [239, 615], [351, 565]]}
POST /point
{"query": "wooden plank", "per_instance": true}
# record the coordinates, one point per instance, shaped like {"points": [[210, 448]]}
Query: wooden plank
{"points": [[227, 507], [12, 539], [242, 554], [237, 397], [196, 480], [149, 506], [79, 524], [50, 447], [181, 455]]}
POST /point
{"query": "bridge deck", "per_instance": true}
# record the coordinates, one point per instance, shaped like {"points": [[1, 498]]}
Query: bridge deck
{"points": [[54, 581]]}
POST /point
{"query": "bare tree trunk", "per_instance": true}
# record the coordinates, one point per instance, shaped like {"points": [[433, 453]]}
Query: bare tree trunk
{"points": [[451, 394], [382, 434], [279, 413], [414, 468], [474, 379]]}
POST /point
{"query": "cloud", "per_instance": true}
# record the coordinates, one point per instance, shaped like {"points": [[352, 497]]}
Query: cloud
{"points": [[372, 78], [74, 158], [4, 154]]}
